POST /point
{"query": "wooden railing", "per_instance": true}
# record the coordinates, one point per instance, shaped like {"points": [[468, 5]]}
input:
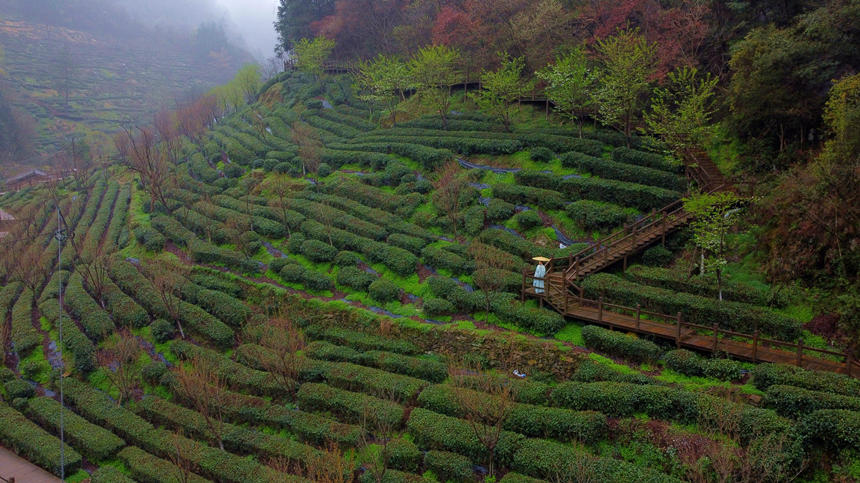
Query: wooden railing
{"points": [[632, 233], [702, 337]]}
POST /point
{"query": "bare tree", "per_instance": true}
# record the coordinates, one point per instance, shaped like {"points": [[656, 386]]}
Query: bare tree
{"points": [[119, 358], [329, 465], [449, 186], [180, 456], [199, 383], [486, 403], [491, 266], [166, 127], [166, 285], [378, 431], [284, 339], [281, 202], [310, 146], [149, 161]]}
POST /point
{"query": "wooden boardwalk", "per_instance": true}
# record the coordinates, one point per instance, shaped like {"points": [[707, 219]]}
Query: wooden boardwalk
{"points": [[749, 347]]}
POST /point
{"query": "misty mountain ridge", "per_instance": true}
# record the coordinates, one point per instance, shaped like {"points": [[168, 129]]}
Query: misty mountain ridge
{"points": [[88, 67]]}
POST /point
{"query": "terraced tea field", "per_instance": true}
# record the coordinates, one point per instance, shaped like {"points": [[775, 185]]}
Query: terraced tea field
{"points": [[362, 322]]}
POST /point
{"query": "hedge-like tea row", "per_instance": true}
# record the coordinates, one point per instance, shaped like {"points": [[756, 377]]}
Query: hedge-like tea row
{"points": [[393, 223], [642, 197], [449, 466], [539, 320], [690, 364], [337, 128], [438, 257], [514, 477], [262, 225], [97, 228], [338, 218], [592, 371], [527, 419], [526, 195], [597, 215], [125, 311], [622, 171], [225, 307], [205, 252], [434, 431], [429, 158], [146, 467], [650, 160], [211, 462], [833, 428], [462, 145], [427, 369], [530, 139], [94, 442], [372, 381], [766, 375], [33, 443], [704, 286], [151, 239], [118, 220], [237, 376], [25, 337], [370, 196], [206, 325], [355, 278], [350, 406], [128, 278], [360, 340], [734, 316], [204, 226], [397, 259], [74, 341], [547, 459], [292, 219], [452, 124], [620, 345], [293, 272], [345, 118], [617, 399], [235, 438], [794, 402], [110, 474], [95, 321]]}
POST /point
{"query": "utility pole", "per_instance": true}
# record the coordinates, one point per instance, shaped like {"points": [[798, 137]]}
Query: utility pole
{"points": [[61, 235]]}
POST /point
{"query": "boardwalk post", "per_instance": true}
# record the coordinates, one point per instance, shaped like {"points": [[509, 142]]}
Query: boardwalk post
{"points": [[638, 315], [663, 229], [849, 361], [625, 263], [716, 332], [566, 300], [600, 310], [755, 346], [678, 332], [799, 361], [523, 291]]}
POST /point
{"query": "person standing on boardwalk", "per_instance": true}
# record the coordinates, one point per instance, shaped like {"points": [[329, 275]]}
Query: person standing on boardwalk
{"points": [[540, 272]]}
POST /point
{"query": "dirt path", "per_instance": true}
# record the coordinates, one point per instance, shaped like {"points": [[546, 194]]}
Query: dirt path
{"points": [[13, 466]]}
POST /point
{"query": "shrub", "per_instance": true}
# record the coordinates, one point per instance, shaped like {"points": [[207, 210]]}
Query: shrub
{"points": [[686, 362], [350, 406], [449, 466], [323, 170], [438, 257], [361, 341], [528, 219], [403, 455], [384, 290], [794, 402], [355, 278], [109, 474], [434, 307], [696, 309], [723, 369], [34, 444], [94, 442], [705, 286], [642, 158], [542, 154], [833, 428], [766, 375], [146, 467], [622, 171], [153, 372], [373, 381], [656, 256], [596, 215], [17, 388], [499, 210], [620, 345], [437, 432], [162, 330], [347, 259], [526, 195], [546, 459]]}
